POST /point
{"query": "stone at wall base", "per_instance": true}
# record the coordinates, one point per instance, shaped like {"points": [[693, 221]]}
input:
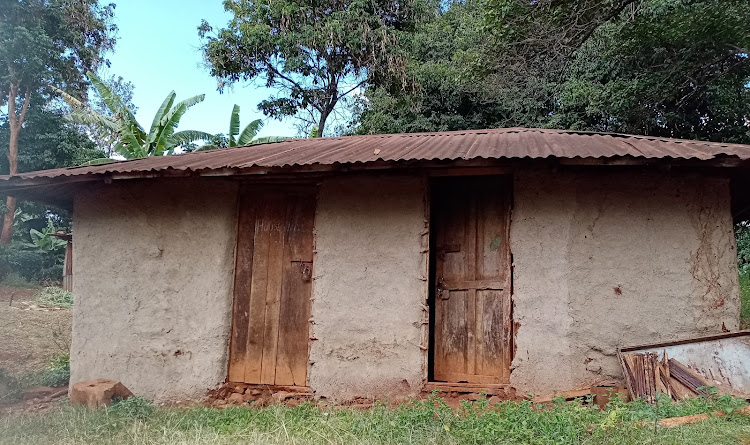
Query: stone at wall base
{"points": [[97, 393]]}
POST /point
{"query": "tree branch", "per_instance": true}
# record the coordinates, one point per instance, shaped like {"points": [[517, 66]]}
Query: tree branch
{"points": [[25, 107], [353, 88]]}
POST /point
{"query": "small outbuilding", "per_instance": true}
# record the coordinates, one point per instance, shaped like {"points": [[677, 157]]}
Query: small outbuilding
{"points": [[514, 259]]}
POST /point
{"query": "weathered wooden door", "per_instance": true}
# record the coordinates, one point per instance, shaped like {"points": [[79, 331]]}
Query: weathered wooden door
{"points": [[273, 281], [472, 326]]}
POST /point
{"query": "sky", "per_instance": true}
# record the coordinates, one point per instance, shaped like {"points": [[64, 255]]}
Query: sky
{"points": [[158, 50]]}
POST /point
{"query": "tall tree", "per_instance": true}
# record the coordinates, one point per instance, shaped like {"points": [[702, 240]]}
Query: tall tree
{"points": [[46, 42], [657, 67], [316, 53], [48, 141]]}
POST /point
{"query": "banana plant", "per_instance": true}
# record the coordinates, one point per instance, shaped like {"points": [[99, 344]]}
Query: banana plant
{"points": [[236, 138], [130, 139]]}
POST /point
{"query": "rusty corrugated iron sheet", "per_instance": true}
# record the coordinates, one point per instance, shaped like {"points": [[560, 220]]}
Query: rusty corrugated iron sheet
{"points": [[505, 143]]}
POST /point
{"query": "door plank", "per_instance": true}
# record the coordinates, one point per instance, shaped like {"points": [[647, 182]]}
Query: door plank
{"points": [[271, 308], [277, 217], [294, 325], [258, 285], [242, 277]]}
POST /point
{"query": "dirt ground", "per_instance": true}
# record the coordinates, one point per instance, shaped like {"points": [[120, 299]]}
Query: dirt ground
{"points": [[30, 336]]}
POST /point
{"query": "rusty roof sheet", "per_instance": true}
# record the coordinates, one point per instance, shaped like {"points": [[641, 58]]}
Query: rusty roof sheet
{"points": [[504, 143]]}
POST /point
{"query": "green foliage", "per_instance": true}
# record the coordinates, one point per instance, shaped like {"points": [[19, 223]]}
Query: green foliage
{"points": [[47, 141], [135, 408], [45, 240], [128, 137], [315, 53], [57, 372], [246, 137], [14, 279], [52, 42], [39, 260], [656, 67], [31, 265], [745, 291], [742, 235], [420, 421], [55, 297]]}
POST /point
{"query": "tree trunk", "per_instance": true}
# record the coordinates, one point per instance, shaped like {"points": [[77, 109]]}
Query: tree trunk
{"points": [[15, 121], [7, 233], [322, 122]]}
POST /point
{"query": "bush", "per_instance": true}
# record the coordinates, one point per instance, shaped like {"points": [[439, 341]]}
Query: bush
{"points": [[55, 297], [136, 407], [13, 279], [31, 265], [57, 372]]}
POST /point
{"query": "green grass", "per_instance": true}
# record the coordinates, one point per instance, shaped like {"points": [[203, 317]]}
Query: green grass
{"points": [[56, 373], [745, 290], [421, 422]]}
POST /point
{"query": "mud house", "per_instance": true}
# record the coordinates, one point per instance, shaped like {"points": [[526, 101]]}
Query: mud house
{"points": [[374, 265]]}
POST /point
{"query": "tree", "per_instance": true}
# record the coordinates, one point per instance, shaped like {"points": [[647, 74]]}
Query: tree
{"points": [[124, 90], [128, 136], [315, 53], [667, 68], [655, 67], [452, 90], [48, 141], [237, 138], [45, 42]]}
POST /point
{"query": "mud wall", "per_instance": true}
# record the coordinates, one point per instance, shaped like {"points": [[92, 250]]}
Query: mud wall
{"points": [[615, 259], [369, 288], [153, 284]]}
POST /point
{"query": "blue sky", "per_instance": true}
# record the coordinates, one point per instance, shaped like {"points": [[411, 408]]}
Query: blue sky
{"points": [[158, 50]]}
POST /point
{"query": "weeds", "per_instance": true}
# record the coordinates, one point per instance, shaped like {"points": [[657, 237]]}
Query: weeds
{"points": [[54, 296], [136, 420], [57, 373], [136, 408]]}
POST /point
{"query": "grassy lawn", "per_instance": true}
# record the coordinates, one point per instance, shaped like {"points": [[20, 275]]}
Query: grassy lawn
{"points": [[745, 289], [428, 421]]}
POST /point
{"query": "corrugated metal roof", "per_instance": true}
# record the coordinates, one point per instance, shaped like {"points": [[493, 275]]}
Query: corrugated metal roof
{"points": [[506, 143]]}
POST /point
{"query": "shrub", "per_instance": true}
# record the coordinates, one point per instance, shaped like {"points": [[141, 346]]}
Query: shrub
{"points": [[55, 297], [57, 372], [13, 279], [136, 407], [30, 264]]}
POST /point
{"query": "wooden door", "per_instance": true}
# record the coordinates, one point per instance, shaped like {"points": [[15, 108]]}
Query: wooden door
{"points": [[472, 298], [273, 282]]}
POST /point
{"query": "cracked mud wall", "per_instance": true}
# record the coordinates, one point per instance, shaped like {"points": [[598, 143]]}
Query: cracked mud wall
{"points": [[615, 259], [153, 283], [369, 288]]}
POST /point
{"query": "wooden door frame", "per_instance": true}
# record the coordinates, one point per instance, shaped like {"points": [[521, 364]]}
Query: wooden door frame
{"points": [[429, 199], [250, 186]]}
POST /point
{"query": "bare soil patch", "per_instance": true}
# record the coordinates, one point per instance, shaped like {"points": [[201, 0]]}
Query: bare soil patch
{"points": [[30, 336]]}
